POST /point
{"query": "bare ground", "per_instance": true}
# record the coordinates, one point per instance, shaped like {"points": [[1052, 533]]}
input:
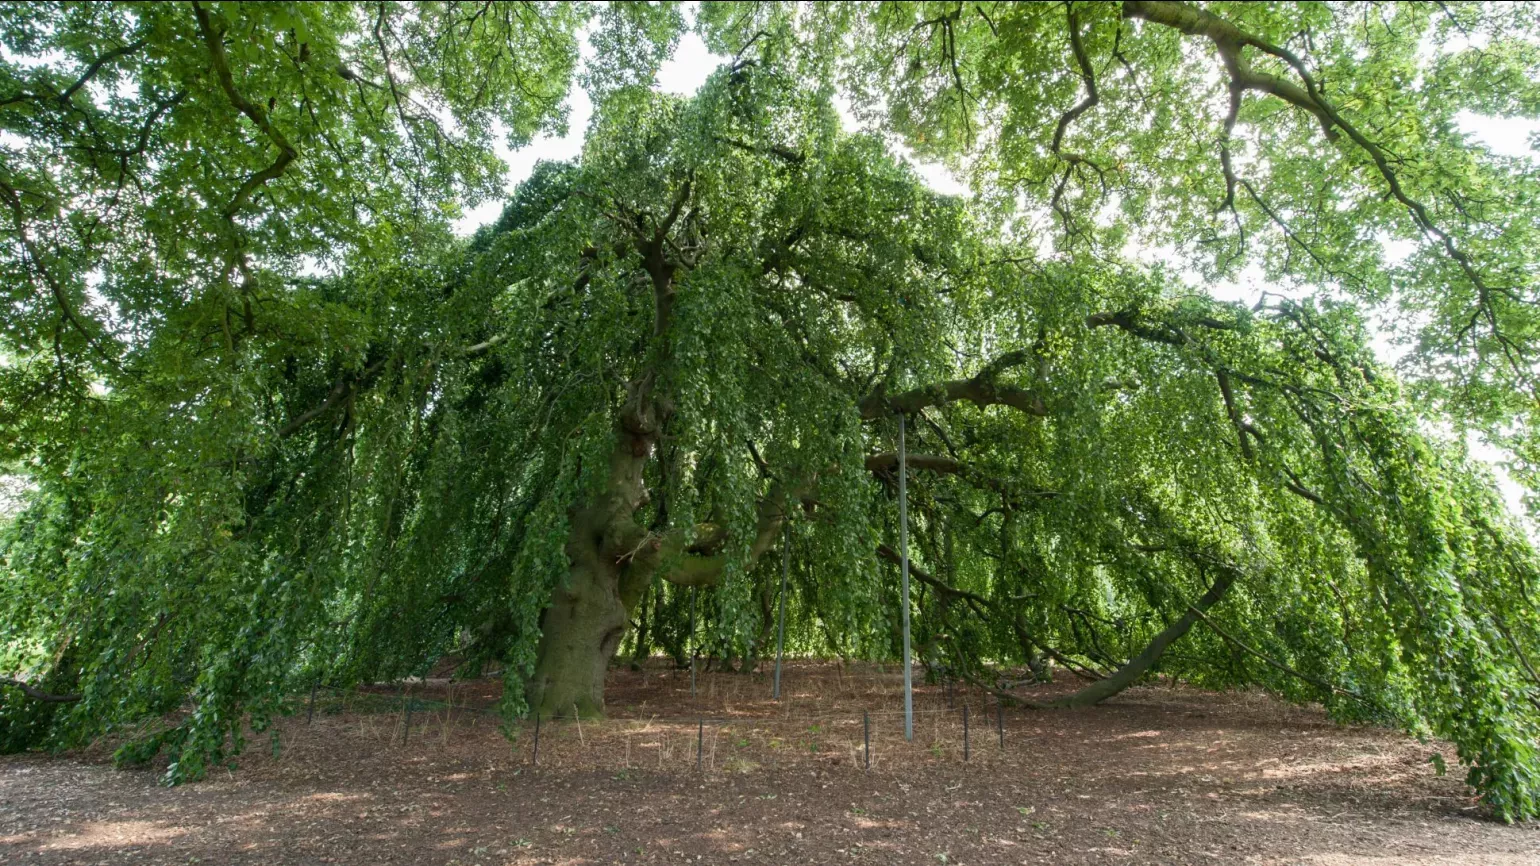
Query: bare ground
{"points": [[1158, 776]]}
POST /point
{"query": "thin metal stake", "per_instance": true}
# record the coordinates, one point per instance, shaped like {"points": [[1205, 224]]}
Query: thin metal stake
{"points": [[700, 742], [310, 713], [903, 567], [535, 759], [866, 734], [1000, 721], [965, 730], [780, 628]]}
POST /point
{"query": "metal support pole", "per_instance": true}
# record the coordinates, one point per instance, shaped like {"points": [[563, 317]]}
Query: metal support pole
{"points": [[866, 735], [965, 730], [535, 759], [780, 628], [310, 713], [903, 569], [694, 648], [700, 742]]}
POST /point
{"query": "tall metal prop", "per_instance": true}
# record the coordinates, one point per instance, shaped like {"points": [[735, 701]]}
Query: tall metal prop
{"points": [[780, 628], [694, 647], [903, 569]]}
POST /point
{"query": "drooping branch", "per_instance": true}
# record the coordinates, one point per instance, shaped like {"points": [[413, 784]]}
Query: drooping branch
{"points": [[978, 603], [1132, 323], [1139, 665], [988, 609], [1243, 428], [1239, 644], [1091, 100], [35, 257], [886, 464]]}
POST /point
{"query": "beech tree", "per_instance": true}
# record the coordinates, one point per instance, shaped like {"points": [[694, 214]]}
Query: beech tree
{"points": [[540, 447]]}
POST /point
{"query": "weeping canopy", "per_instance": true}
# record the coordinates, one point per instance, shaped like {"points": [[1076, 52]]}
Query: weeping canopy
{"points": [[247, 479]]}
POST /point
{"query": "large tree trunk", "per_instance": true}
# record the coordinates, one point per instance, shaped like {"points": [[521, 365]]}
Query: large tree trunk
{"points": [[610, 565], [580, 633], [613, 561]]}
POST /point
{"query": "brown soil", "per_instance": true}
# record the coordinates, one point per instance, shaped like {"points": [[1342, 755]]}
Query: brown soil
{"points": [[1159, 775]]}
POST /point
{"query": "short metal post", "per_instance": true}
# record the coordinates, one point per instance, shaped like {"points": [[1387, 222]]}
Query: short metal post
{"points": [[310, 712], [866, 734], [965, 730], [780, 628], [1000, 721], [700, 743], [535, 759], [406, 726]]}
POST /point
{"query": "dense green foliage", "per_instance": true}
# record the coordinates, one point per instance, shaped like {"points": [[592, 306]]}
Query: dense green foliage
{"points": [[536, 447]]}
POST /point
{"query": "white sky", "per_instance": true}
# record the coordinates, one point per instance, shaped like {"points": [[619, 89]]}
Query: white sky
{"points": [[692, 63]]}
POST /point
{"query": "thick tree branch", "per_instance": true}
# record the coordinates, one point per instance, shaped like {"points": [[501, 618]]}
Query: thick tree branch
{"points": [[668, 557], [1230, 39], [1139, 665], [38, 694], [887, 461], [257, 115], [981, 390], [98, 63], [344, 387]]}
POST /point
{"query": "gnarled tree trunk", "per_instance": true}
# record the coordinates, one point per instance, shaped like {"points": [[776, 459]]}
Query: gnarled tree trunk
{"points": [[608, 570]]}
